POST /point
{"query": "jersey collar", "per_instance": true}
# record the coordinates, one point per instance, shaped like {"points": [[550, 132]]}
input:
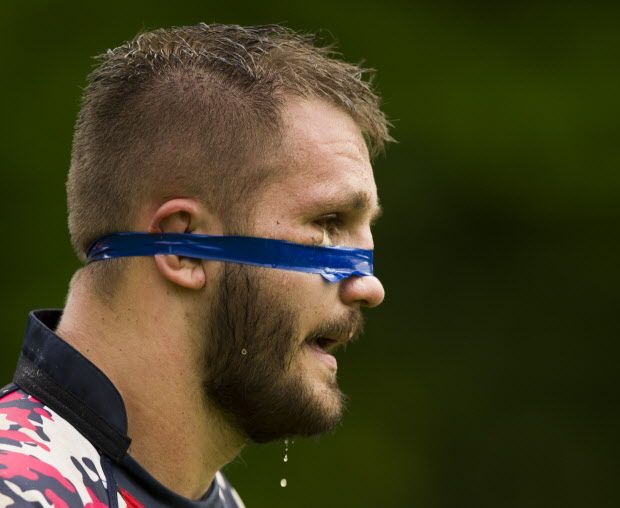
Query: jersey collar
{"points": [[63, 379]]}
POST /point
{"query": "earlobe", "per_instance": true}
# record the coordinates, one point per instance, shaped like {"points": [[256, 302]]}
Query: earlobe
{"points": [[185, 272]]}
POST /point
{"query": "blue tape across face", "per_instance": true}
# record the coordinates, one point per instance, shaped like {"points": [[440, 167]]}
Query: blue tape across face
{"points": [[332, 263]]}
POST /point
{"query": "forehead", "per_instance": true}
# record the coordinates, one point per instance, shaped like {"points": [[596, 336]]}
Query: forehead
{"points": [[323, 159]]}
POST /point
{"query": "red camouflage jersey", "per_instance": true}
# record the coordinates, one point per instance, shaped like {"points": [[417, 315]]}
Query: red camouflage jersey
{"points": [[63, 441]]}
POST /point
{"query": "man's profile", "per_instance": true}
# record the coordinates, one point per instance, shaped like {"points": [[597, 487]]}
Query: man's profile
{"points": [[160, 368]]}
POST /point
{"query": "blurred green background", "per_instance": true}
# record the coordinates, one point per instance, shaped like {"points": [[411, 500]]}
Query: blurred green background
{"points": [[489, 376]]}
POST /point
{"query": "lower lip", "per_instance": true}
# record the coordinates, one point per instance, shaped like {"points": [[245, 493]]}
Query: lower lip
{"points": [[326, 358]]}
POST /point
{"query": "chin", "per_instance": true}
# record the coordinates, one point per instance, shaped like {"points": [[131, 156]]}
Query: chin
{"points": [[327, 396], [304, 407], [332, 402]]}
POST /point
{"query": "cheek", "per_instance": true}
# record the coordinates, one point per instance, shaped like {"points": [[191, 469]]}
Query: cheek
{"points": [[308, 296]]}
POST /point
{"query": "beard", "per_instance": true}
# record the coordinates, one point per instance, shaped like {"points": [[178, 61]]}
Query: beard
{"points": [[251, 374]]}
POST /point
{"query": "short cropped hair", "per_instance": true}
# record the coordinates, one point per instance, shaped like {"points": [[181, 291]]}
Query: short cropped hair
{"points": [[191, 111]]}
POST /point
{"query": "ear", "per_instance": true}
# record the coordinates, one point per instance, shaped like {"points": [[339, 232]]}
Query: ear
{"points": [[183, 215]]}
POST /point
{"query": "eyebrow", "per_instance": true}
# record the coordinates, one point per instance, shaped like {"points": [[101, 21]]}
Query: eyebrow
{"points": [[359, 201]]}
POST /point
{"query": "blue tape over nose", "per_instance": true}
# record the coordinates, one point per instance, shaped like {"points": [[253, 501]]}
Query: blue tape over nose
{"points": [[332, 263]]}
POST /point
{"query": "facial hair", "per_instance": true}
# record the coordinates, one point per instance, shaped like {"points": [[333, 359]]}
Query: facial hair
{"points": [[252, 344]]}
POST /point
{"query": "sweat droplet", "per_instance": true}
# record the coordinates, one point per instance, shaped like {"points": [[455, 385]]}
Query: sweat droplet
{"points": [[285, 459], [244, 351]]}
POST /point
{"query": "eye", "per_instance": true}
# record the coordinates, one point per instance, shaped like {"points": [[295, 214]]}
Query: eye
{"points": [[330, 223]]}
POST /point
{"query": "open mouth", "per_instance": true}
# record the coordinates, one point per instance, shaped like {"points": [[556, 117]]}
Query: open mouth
{"points": [[323, 348], [323, 344]]}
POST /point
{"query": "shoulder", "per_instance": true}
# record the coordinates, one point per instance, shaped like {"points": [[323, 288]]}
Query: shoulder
{"points": [[44, 460]]}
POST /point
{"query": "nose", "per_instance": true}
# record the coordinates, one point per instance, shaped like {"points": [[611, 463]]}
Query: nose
{"points": [[367, 291]]}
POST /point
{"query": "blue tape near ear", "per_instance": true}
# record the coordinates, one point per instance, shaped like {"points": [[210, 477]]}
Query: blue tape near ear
{"points": [[332, 263]]}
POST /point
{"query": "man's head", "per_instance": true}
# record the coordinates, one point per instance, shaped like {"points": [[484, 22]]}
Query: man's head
{"points": [[231, 130], [196, 111]]}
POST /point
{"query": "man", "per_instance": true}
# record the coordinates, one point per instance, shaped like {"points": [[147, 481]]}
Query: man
{"points": [[162, 366]]}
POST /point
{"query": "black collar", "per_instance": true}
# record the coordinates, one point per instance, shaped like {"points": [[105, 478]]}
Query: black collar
{"points": [[63, 379]]}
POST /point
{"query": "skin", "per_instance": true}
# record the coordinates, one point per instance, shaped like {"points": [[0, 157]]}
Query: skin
{"points": [[326, 194]]}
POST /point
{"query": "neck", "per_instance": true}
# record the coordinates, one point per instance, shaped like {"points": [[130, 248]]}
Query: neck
{"points": [[156, 366]]}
